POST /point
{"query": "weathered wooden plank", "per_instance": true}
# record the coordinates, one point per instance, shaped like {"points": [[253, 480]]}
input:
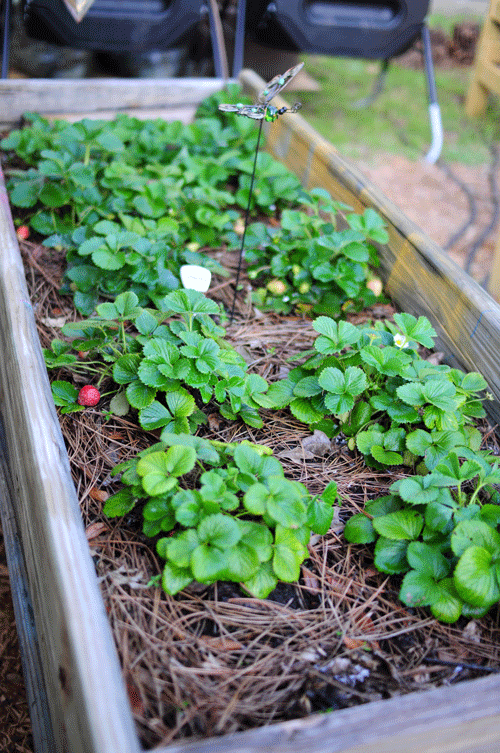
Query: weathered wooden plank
{"points": [[455, 719], [486, 71], [60, 96], [488, 74], [36, 692], [419, 276], [185, 114], [494, 279], [86, 697]]}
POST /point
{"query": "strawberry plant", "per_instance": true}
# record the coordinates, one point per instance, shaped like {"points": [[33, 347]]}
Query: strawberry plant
{"points": [[441, 530], [372, 385], [65, 396], [229, 510], [162, 370], [131, 201], [308, 262]]}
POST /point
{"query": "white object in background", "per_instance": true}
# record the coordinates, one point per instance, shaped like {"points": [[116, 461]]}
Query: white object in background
{"points": [[78, 8], [437, 134], [195, 277]]}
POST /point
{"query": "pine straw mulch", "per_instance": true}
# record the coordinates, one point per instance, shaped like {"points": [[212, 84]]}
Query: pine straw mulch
{"points": [[212, 660]]}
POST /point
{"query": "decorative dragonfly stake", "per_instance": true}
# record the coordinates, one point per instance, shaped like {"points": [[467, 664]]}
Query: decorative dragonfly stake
{"points": [[262, 111]]}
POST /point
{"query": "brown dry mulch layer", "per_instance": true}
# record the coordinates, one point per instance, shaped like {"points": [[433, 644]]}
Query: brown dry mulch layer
{"points": [[213, 660]]}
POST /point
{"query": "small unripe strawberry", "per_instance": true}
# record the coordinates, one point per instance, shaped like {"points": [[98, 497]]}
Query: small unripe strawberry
{"points": [[375, 285], [88, 396], [276, 287], [23, 232]]}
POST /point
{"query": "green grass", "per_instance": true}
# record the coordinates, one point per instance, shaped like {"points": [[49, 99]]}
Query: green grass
{"points": [[397, 122], [448, 23]]}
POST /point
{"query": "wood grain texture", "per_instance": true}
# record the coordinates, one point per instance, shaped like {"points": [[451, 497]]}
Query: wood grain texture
{"points": [[101, 95], [418, 275], [87, 700], [36, 692], [486, 71], [494, 279], [457, 719], [184, 113]]}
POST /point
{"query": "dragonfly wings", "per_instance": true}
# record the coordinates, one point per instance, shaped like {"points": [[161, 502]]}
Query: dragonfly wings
{"points": [[278, 83], [262, 108], [257, 112]]}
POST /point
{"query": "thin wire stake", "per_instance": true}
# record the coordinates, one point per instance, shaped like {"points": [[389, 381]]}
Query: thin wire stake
{"points": [[262, 110], [247, 214]]}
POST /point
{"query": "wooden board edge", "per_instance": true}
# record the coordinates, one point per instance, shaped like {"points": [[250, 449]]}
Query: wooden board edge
{"points": [[86, 696], [461, 718], [110, 96], [36, 691], [418, 275]]}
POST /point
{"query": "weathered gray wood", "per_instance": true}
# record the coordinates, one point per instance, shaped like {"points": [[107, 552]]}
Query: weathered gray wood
{"points": [[461, 718], [184, 113], [36, 692], [60, 96], [419, 276], [87, 700]]}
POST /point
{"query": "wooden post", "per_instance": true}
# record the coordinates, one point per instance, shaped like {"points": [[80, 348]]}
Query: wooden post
{"points": [[494, 281], [486, 75]]}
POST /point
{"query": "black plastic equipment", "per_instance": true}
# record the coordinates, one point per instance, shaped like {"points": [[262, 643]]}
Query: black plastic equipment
{"points": [[374, 29], [378, 29], [113, 25]]}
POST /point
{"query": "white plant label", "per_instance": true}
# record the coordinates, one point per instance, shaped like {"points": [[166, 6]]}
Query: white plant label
{"points": [[195, 277]]}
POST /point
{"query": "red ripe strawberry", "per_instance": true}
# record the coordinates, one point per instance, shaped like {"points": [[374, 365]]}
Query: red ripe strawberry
{"points": [[88, 396], [23, 232]]}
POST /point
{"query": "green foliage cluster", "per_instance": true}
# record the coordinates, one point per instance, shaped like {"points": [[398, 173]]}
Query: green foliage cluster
{"points": [[230, 512], [313, 264], [372, 385], [131, 201], [440, 527], [161, 370], [434, 529]]}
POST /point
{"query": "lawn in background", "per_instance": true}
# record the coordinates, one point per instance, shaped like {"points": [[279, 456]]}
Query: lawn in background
{"points": [[397, 122]]}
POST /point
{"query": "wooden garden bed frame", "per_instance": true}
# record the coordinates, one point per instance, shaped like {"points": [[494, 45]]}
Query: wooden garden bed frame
{"points": [[75, 689]]}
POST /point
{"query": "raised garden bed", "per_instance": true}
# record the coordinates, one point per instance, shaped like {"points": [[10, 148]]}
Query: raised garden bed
{"points": [[88, 704]]}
